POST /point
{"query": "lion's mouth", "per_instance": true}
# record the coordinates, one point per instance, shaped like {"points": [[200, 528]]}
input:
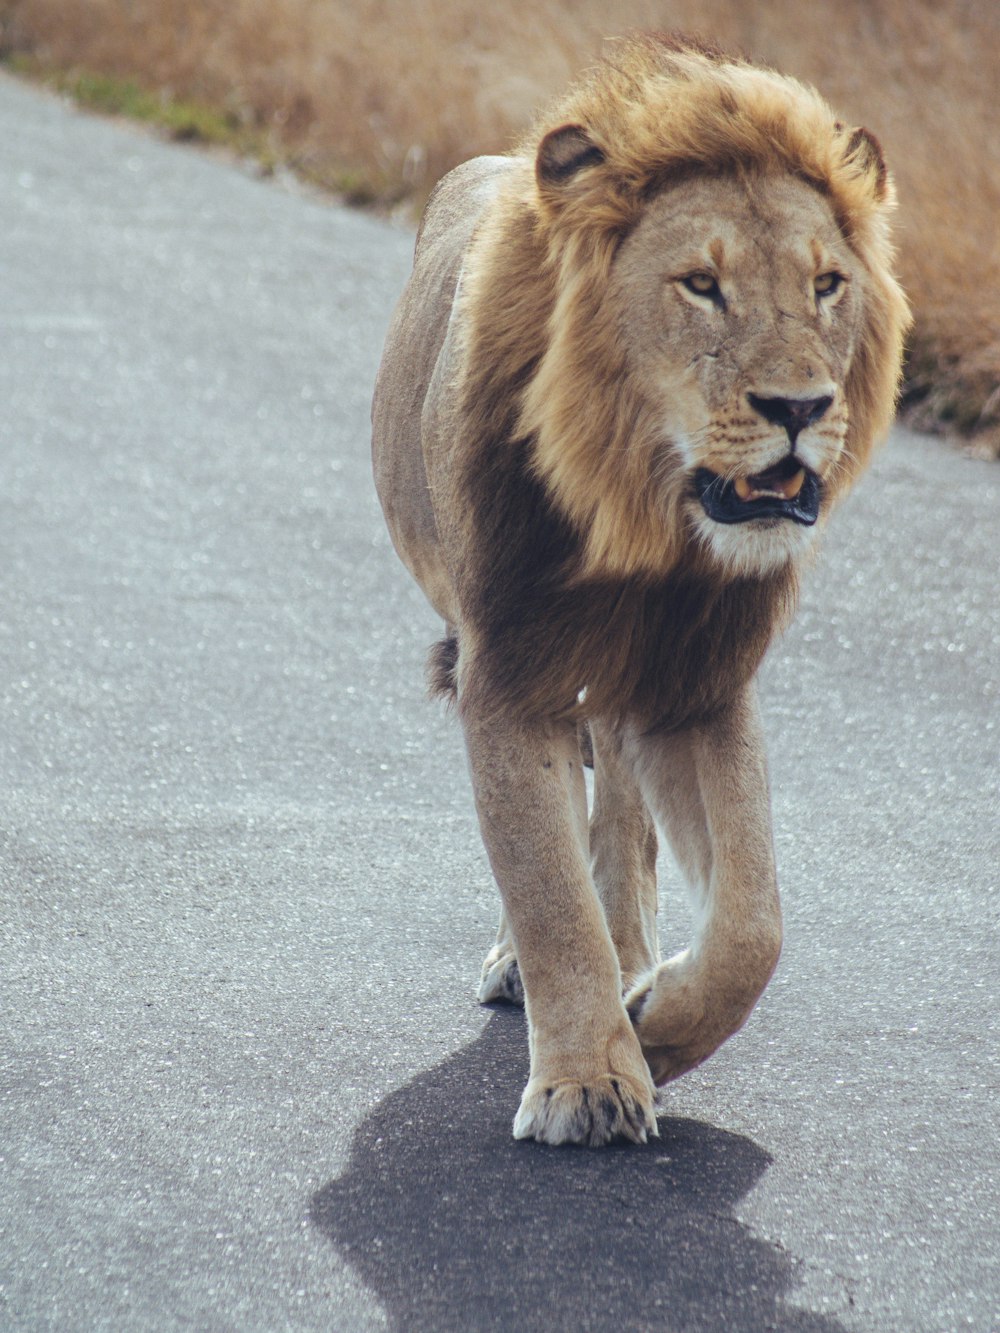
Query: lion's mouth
{"points": [[788, 490]]}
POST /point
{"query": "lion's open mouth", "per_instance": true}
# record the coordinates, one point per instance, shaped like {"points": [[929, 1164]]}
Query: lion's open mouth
{"points": [[788, 490]]}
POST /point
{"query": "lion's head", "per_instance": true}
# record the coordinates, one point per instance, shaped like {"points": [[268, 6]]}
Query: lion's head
{"points": [[702, 250]]}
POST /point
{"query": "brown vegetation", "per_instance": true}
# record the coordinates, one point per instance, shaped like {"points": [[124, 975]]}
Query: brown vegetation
{"points": [[380, 98]]}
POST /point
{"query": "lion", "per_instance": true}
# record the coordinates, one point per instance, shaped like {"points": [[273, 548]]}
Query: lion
{"points": [[638, 362]]}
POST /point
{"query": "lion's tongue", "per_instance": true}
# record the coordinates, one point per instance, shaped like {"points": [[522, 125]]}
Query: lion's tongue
{"points": [[770, 485]]}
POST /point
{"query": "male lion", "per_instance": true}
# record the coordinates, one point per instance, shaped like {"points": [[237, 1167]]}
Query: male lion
{"points": [[636, 364]]}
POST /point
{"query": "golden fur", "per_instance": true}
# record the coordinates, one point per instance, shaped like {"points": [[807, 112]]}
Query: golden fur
{"points": [[637, 363]]}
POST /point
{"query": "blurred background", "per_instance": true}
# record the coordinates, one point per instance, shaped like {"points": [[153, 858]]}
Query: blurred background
{"points": [[375, 99]]}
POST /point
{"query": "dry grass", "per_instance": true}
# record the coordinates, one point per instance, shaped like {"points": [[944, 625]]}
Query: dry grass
{"points": [[379, 98]]}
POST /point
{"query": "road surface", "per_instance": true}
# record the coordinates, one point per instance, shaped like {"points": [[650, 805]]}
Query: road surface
{"points": [[245, 1081]]}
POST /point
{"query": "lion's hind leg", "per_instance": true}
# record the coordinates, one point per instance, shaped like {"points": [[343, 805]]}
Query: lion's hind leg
{"points": [[501, 976], [623, 857]]}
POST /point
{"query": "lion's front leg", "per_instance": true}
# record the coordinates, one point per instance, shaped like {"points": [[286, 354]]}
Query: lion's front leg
{"points": [[709, 789], [588, 1082]]}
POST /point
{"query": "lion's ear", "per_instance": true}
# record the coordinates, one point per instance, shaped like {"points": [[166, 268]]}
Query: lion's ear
{"points": [[864, 153], [564, 152]]}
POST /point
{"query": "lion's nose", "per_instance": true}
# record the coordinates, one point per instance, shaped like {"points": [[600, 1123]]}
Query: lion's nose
{"points": [[792, 413]]}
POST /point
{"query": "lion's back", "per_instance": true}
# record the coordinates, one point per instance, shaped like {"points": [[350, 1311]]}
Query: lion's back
{"points": [[412, 350]]}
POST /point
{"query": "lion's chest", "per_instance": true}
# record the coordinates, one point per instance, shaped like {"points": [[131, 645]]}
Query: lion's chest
{"points": [[666, 655]]}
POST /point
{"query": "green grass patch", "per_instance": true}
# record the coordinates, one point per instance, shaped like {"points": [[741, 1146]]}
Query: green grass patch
{"points": [[180, 118], [190, 121]]}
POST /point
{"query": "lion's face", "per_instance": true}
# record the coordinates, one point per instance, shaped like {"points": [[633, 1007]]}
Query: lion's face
{"points": [[739, 304], [697, 287]]}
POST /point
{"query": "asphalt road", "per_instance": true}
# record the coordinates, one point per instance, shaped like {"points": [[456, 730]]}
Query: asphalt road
{"points": [[245, 1081]]}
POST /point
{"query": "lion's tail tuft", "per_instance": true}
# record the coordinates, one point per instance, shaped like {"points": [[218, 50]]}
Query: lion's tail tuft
{"points": [[441, 665]]}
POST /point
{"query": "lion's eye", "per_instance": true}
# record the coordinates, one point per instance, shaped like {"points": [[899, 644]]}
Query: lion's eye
{"points": [[828, 283], [703, 284]]}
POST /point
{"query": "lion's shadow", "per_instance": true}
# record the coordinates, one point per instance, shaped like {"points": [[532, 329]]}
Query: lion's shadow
{"points": [[453, 1225]]}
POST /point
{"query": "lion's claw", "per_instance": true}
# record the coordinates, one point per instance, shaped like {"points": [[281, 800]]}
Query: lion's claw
{"points": [[590, 1114]]}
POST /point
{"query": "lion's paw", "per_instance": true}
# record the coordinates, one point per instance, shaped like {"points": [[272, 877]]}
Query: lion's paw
{"points": [[589, 1113], [677, 1029], [501, 978], [638, 995]]}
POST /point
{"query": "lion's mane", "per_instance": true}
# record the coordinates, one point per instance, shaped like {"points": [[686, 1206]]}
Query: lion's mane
{"points": [[584, 578]]}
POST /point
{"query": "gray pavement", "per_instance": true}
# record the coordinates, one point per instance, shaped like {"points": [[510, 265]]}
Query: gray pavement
{"points": [[245, 1084]]}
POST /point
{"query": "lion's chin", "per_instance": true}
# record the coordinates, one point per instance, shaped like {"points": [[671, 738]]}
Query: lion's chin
{"points": [[753, 550], [789, 491]]}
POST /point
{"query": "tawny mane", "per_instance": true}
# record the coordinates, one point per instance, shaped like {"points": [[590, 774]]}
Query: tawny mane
{"points": [[560, 446], [537, 278]]}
